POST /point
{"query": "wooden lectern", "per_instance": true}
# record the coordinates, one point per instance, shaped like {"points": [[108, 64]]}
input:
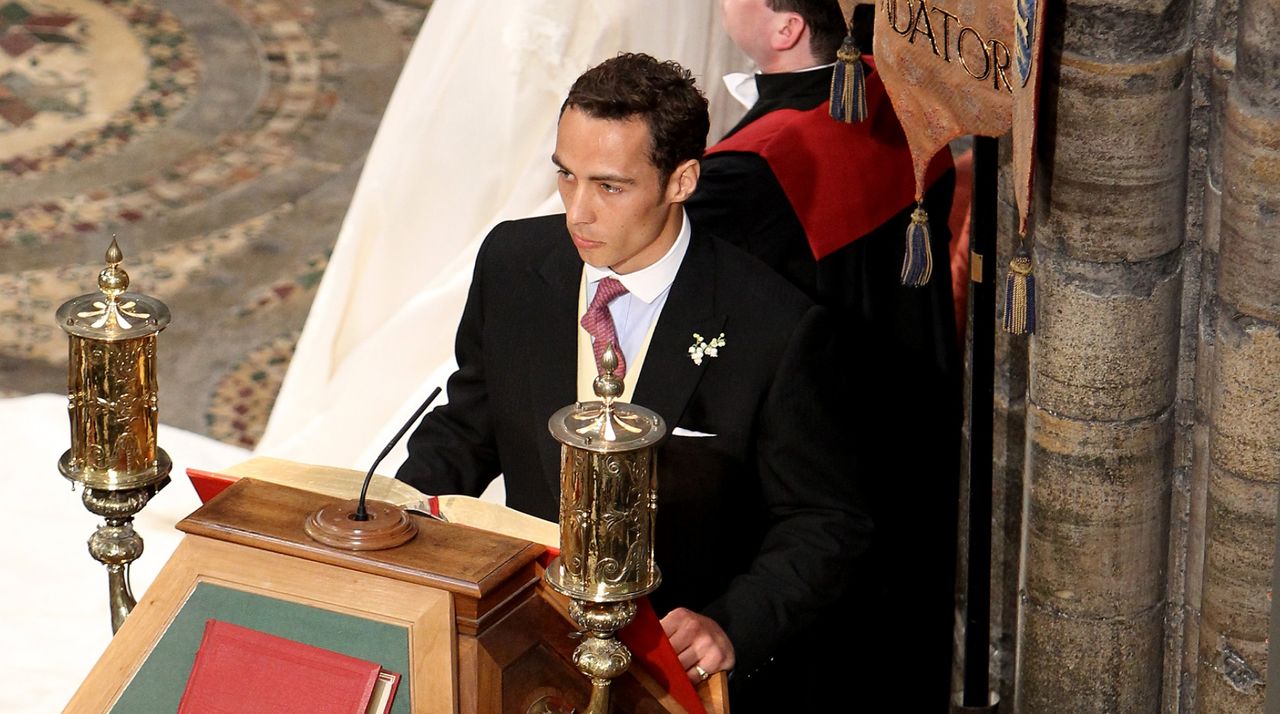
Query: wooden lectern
{"points": [[461, 613]]}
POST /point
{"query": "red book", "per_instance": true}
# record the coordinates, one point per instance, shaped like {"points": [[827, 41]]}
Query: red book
{"points": [[238, 670], [208, 484]]}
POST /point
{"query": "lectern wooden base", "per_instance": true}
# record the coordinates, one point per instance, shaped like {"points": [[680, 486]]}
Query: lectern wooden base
{"points": [[476, 629]]}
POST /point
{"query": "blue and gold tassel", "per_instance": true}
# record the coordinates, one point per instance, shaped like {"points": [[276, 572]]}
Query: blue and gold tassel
{"points": [[1020, 296], [917, 263], [849, 84]]}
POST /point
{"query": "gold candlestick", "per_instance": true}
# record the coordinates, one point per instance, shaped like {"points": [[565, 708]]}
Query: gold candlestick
{"points": [[111, 393], [608, 502]]}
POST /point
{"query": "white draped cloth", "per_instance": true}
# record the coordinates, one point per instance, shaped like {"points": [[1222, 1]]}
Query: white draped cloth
{"points": [[466, 142], [53, 596]]}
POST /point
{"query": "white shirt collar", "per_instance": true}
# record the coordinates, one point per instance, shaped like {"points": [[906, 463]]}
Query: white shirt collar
{"points": [[742, 85], [650, 282]]}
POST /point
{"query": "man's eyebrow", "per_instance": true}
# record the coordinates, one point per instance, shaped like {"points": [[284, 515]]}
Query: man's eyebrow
{"points": [[603, 178], [612, 178]]}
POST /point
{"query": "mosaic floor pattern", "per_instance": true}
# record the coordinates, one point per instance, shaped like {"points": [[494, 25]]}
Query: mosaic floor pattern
{"points": [[221, 141]]}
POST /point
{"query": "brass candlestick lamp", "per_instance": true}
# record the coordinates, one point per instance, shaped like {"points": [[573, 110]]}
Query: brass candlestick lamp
{"points": [[111, 393], [608, 501]]}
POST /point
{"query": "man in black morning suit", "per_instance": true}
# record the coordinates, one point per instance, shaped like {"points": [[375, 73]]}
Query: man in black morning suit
{"points": [[757, 506]]}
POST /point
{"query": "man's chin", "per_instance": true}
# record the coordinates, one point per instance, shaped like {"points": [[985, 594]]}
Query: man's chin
{"points": [[592, 258]]}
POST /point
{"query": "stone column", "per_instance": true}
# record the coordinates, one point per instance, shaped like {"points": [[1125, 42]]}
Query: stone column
{"points": [[1193, 467], [1244, 413], [1103, 365]]}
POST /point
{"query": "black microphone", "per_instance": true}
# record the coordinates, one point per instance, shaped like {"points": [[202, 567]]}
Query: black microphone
{"points": [[361, 514]]}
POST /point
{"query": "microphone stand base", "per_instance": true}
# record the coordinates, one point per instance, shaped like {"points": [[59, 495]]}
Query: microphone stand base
{"points": [[334, 525]]}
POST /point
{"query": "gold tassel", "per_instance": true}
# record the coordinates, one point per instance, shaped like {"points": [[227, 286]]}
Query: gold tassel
{"points": [[1020, 296], [917, 262], [849, 84]]}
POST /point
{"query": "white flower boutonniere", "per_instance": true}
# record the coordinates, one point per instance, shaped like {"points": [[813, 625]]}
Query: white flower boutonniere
{"points": [[702, 348]]}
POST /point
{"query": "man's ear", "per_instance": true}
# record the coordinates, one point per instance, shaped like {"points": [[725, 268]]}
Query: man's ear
{"points": [[787, 34], [683, 181]]}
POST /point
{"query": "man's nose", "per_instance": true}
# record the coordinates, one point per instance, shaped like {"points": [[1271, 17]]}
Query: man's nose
{"points": [[577, 207]]}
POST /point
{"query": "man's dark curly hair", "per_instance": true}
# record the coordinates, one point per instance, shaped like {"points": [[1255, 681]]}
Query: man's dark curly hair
{"points": [[826, 24], [663, 94]]}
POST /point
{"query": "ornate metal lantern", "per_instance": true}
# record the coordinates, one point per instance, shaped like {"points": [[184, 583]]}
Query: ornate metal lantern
{"points": [[111, 392], [608, 503]]}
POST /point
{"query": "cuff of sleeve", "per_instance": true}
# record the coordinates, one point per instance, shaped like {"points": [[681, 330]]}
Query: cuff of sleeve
{"points": [[753, 638]]}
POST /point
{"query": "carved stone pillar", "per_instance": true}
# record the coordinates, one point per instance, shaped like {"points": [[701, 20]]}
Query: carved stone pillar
{"points": [[1244, 413], [1200, 295], [1103, 363]]}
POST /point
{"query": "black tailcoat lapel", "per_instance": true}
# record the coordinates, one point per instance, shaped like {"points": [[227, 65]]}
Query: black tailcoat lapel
{"points": [[669, 376], [553, 352]]}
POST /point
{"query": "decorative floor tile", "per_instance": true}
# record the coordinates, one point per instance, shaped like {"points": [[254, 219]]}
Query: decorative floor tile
{"points": [[242, 401], [294, 287], [200, 151], [80, 78], [29, 298]]}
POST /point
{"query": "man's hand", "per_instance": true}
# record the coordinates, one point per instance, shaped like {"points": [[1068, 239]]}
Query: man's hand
{"points": [[702, 646]]}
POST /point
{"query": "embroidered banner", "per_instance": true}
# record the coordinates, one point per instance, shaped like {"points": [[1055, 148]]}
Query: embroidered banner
{"points": [[1028, 43], [957, 67]]}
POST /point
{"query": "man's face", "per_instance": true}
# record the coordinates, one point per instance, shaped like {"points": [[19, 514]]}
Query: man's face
{"points": [[616, 207], [750, 23]]}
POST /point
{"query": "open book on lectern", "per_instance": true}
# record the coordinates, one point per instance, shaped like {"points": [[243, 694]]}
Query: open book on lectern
{"points": [[345, 483]]}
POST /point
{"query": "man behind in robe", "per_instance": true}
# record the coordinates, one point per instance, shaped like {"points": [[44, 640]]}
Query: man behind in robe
{"points": [[827, 205], [758, 512]]}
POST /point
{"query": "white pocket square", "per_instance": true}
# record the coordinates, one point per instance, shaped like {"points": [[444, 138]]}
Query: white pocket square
{"points": [[681, 431]]}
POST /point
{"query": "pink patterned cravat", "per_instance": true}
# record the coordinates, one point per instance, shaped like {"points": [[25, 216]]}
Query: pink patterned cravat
{"points": [[599, 323]]}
